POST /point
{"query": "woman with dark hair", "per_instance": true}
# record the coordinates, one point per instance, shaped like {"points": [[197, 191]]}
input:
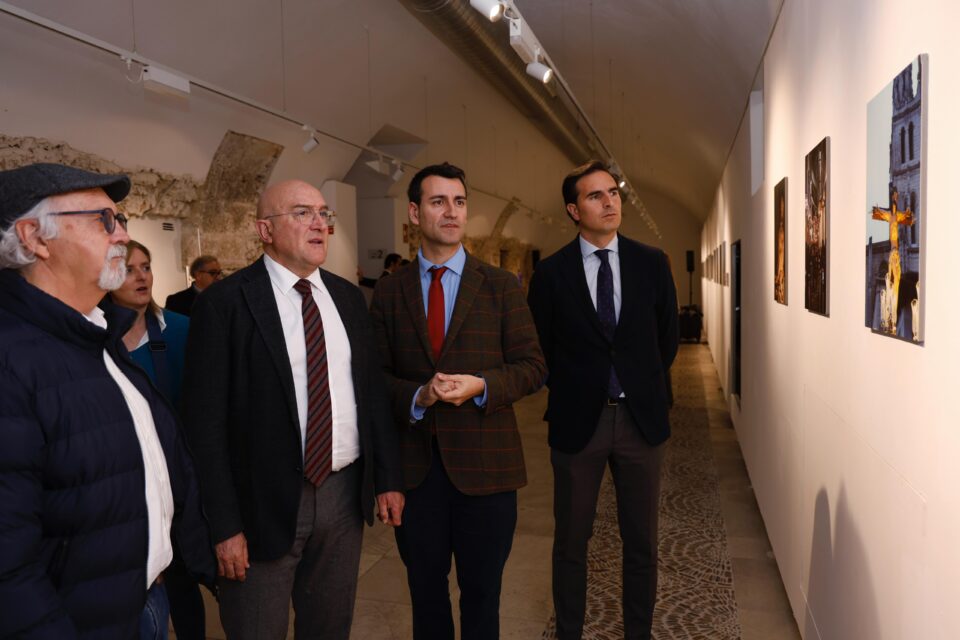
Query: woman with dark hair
{"points": [[157, 341]]}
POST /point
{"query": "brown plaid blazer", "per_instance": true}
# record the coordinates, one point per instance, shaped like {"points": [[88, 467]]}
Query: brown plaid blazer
{"points": [[491, 334]]}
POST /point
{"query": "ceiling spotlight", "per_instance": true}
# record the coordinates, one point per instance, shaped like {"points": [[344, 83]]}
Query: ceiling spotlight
{"points": [[398, 172], [166, 82], [540, 71], [311, 142], [622, 183], [491, 9]]}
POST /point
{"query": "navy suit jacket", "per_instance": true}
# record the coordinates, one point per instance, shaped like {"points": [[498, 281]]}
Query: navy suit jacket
{"points": [[182, 301], [579, 355]]}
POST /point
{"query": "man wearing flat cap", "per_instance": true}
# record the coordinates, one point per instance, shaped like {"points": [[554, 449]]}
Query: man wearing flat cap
{"points": [[95, 478]]}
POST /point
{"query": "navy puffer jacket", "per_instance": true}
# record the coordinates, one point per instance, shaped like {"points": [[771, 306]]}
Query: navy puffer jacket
{"points": [[73, 516]]}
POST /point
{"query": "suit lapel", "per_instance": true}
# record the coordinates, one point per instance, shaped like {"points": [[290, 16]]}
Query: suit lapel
{"points": [[573, 259], [470, 282], [258, 293], [413, 298], [630, 272]]}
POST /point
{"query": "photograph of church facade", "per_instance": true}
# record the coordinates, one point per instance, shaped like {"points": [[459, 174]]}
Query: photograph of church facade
{"points": [[817, 217], [893, 297]]}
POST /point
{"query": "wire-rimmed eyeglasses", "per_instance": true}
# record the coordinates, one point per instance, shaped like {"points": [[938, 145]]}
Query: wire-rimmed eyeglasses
{"points": [[307, 216]]}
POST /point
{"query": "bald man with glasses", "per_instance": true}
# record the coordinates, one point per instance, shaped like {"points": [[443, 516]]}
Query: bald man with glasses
{"points": [[285, 403]]}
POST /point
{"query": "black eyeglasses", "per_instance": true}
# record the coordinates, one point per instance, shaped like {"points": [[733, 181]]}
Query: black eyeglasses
{"points": [[307, 216], [108, 217], [216, 273]]}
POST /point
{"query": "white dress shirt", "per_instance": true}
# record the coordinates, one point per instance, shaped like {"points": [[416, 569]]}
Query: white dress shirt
{"points": [[145, 338], [591, 267], [159, 495], [346, 437]]}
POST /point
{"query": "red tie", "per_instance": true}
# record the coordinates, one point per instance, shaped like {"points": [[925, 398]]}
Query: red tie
{"points": [[317, 450], [436, 311]]}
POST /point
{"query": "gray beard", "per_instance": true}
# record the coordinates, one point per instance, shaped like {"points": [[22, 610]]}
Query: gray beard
{"points": [[112, 277]]}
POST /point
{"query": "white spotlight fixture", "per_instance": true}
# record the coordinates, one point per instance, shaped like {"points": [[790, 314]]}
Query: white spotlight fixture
{"points": [[397, 172], [491, 9], [380, 165], [540, 71], [166, 82], [623, 183], [311, 142]]}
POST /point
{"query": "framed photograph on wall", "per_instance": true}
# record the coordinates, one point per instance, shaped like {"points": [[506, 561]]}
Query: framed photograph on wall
{"points": [[896, 179], [780, 242], [817, 229]]}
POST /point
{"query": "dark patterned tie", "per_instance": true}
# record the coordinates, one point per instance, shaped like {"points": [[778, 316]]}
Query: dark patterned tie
{"points": [[607, 311], [317, 451], [436, 311]]}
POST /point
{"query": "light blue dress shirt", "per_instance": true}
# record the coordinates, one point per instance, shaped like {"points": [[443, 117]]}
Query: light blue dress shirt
{"points": [[591, 267], [450, 281]]}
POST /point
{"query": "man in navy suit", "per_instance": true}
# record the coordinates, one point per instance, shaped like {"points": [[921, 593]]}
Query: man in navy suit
{"points": [[205, 270], [605, 308]]}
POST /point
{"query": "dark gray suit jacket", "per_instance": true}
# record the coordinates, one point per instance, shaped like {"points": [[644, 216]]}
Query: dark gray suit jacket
{"points": [[240, 410]]}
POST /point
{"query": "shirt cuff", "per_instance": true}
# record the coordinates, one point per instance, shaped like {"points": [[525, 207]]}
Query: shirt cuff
{"points": [[481, 401], [417, 413]]}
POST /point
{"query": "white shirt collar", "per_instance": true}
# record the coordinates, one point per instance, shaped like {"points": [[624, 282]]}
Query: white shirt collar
{"points": [[284, 279], [587, 249], [97, 317]]}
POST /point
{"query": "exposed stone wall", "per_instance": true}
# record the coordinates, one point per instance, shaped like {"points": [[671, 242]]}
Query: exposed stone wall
{"points": [[222, 208]]}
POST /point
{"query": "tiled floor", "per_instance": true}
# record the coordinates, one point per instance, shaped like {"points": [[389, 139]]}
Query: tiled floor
{"points": [[383, 602]]}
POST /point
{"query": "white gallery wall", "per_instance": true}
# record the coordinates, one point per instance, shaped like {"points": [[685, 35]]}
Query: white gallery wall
{"points": [[852, 439]]}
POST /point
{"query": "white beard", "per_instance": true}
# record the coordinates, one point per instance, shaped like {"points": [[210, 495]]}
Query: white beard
{"points": [[112, 277]]}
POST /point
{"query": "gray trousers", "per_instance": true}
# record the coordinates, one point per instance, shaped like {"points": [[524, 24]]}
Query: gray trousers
{"points": [[635, 466], [319, 572]]}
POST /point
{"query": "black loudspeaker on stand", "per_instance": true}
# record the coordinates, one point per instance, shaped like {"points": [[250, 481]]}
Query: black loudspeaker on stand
{"points": [[691, 319]]}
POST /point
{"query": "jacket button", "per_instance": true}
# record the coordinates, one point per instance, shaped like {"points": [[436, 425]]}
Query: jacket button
{"points": [[299, 469]]}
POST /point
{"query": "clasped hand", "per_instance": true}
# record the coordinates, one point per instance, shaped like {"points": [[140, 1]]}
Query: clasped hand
{"points": [[455, 388]]}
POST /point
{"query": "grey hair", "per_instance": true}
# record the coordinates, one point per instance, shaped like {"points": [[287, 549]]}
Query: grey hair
{"points": [[13, 255]]}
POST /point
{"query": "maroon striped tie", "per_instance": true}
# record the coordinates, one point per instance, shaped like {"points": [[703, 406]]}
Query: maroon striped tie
{"points": [[318, 448]]}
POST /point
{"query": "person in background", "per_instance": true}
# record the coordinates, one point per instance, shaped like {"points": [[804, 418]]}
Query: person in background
{"points": [[156, 342], [205, 270], [390, 264]]}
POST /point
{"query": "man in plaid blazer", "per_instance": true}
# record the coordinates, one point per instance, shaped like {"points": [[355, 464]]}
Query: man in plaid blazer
{"points": [[459, 347]]}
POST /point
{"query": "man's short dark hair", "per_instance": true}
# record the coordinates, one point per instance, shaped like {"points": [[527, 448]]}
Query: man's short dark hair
{"points": [[445, 170], [200, 263], [390, 260], [569, 186]]}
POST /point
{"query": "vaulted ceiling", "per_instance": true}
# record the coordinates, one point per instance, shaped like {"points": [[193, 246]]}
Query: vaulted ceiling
{"points": [[666, 82]]}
